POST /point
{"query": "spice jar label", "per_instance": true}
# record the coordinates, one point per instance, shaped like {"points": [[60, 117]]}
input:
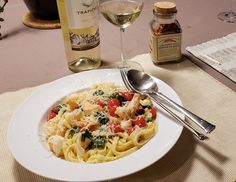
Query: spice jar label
{"points": [[165, 48]]}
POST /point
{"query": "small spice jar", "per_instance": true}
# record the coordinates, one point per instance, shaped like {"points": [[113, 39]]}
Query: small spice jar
{"points": [[165, 34]]}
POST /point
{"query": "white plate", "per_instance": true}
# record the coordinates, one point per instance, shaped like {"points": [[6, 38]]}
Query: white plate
{"points": [[28, 147]]}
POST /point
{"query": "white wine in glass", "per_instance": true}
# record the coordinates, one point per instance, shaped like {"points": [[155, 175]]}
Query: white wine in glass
{"points": [[122, 13]]}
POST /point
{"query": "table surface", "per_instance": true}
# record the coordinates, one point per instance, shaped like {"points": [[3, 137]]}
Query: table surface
{"points": [[31, 57]]}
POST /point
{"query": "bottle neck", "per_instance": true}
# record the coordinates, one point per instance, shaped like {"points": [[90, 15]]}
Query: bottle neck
{"points": [[165, 19]]}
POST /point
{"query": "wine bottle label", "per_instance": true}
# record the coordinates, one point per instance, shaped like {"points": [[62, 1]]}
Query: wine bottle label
{"points": [[82, 19], [165, 48]]}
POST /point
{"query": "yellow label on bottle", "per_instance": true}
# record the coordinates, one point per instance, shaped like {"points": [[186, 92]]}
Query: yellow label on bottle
{"points": [[165, 48], [79, 21], [80, 27]]}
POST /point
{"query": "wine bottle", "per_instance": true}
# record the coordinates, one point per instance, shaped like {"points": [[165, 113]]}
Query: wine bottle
{"points": [[80, 26]]}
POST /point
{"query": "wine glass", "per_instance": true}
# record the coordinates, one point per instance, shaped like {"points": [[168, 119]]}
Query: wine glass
{"points": [[122, 13], [228, 16]]}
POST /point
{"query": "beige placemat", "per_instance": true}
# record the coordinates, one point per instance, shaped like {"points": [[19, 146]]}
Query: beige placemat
{"points": [[189, 160], [31, 21]]}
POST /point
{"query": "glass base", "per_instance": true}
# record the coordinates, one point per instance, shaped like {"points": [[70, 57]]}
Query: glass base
{"points": [[228, 16], [128, 65]]}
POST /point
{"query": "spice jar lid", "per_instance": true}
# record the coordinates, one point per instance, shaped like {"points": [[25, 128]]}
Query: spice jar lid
{"points": [[165, 7]]}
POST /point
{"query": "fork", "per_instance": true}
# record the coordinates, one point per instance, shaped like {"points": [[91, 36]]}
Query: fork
{"points": [[128, 85]]}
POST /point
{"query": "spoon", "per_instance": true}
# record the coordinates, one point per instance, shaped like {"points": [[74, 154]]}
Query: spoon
{"points": [[146, 84], [130, 87]]}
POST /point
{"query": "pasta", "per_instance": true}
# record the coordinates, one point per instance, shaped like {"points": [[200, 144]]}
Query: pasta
{"points": [[101, 124]]}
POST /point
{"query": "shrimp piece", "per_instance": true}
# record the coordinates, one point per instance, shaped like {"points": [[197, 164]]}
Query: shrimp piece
{"points": [[72, 101], [55, 143], [125, 124], [74, 116], [53, 127], [129, 110]]}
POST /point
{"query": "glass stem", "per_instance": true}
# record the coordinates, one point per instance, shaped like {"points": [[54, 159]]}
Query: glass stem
{"points": [[231, 6], [122, 38]]}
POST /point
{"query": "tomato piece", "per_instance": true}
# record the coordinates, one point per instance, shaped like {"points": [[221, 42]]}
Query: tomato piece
{"points": [[128, 96], [112, 105], [140, 107], [92, 127], [112, 111], [113, 102], [116, 128], [154, 112], [55, 110], [81, 125], [140, 121], [100, 103], [51, 115], [140, 110], [130, 130]]}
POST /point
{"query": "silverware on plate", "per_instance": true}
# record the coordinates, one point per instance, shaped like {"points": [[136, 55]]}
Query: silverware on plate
{"points": [[130, 87], [146, 84]]}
